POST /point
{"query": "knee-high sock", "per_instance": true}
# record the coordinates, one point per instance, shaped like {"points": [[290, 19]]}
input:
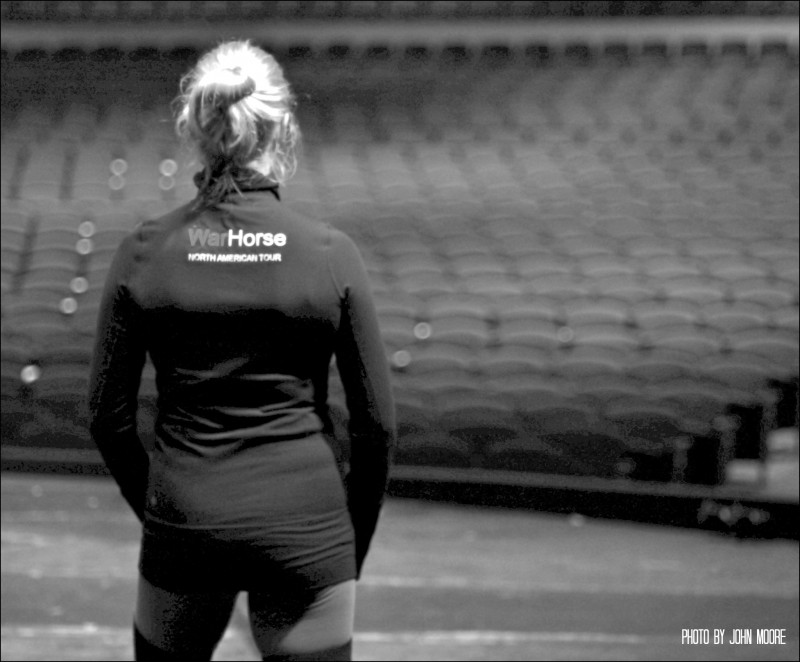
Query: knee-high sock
{"points": [[343, 653]]}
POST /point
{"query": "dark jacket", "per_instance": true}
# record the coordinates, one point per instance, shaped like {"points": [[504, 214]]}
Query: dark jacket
{"points": [[241, 307]]}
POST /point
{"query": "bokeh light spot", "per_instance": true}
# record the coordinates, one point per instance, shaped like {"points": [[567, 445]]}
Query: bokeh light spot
{"points": [[68, 305], [119, 167], [86, 229], [79, 285], [401, 358], [30, 373], [422, 331]]}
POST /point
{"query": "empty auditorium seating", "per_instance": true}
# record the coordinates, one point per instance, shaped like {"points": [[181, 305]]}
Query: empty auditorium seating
{"points": [[434, 449], [656, 437], [477, 418], [578, 266], [138, 12], [500, 364], [527, 453], [434, 359], [730, 317]]}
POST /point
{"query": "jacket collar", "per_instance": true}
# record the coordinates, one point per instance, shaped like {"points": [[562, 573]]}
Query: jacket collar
{"points": [[247, 181]]}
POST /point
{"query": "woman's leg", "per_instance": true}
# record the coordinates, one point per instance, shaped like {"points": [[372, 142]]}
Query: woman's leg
{"points": [[175, 626], [317, 626]]}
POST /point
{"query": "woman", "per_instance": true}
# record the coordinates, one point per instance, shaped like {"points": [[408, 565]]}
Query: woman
{"points": [[242, 304]]}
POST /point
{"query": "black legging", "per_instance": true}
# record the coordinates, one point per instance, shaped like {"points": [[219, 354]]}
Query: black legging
{"points": [[173, 626]]}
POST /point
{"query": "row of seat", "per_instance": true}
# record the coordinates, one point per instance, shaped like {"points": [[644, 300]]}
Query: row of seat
{"points": [[496, 313], [21, 11], [558, 314], [472, 241], [494, 210], [599, 428], [727, 329], [677, 97], [750, 109], [478, 184], [517, 369], [513, 225], [559, 271]]}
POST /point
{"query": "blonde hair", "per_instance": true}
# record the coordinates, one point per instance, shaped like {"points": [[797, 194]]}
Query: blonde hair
{"points": [[237, 109]]}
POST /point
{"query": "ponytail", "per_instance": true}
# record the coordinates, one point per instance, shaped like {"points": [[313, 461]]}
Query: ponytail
{"points": [[236, 108]]}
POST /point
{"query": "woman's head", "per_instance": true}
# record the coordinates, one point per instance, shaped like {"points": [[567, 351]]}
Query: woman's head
{"points": [[237, 110]]}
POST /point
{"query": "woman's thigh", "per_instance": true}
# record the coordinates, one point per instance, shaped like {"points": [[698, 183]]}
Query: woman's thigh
{"points": [[295, 624], [182, 623]]}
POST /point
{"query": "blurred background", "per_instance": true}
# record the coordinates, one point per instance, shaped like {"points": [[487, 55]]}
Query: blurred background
{"points": [[580, 221], [580, 218]]}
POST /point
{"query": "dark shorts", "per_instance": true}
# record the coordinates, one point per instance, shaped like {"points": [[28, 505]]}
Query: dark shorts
{"points": [[272, 518]]}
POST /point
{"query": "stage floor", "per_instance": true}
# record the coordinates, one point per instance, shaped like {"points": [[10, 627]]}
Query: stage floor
{"points": [[443, 582]]}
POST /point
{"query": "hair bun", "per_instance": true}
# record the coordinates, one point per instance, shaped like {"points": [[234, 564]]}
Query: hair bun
{"points": [[224, 94]]}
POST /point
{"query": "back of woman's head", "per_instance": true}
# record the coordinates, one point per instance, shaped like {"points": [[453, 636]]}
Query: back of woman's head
{"points": [[237, 110]]}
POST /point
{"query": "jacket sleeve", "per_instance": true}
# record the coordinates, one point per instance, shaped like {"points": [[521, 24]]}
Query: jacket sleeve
{"points": [[362, 365], [115, 374]]}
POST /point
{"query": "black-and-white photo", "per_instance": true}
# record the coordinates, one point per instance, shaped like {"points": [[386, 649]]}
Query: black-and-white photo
{"points": [[386, 330]]}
